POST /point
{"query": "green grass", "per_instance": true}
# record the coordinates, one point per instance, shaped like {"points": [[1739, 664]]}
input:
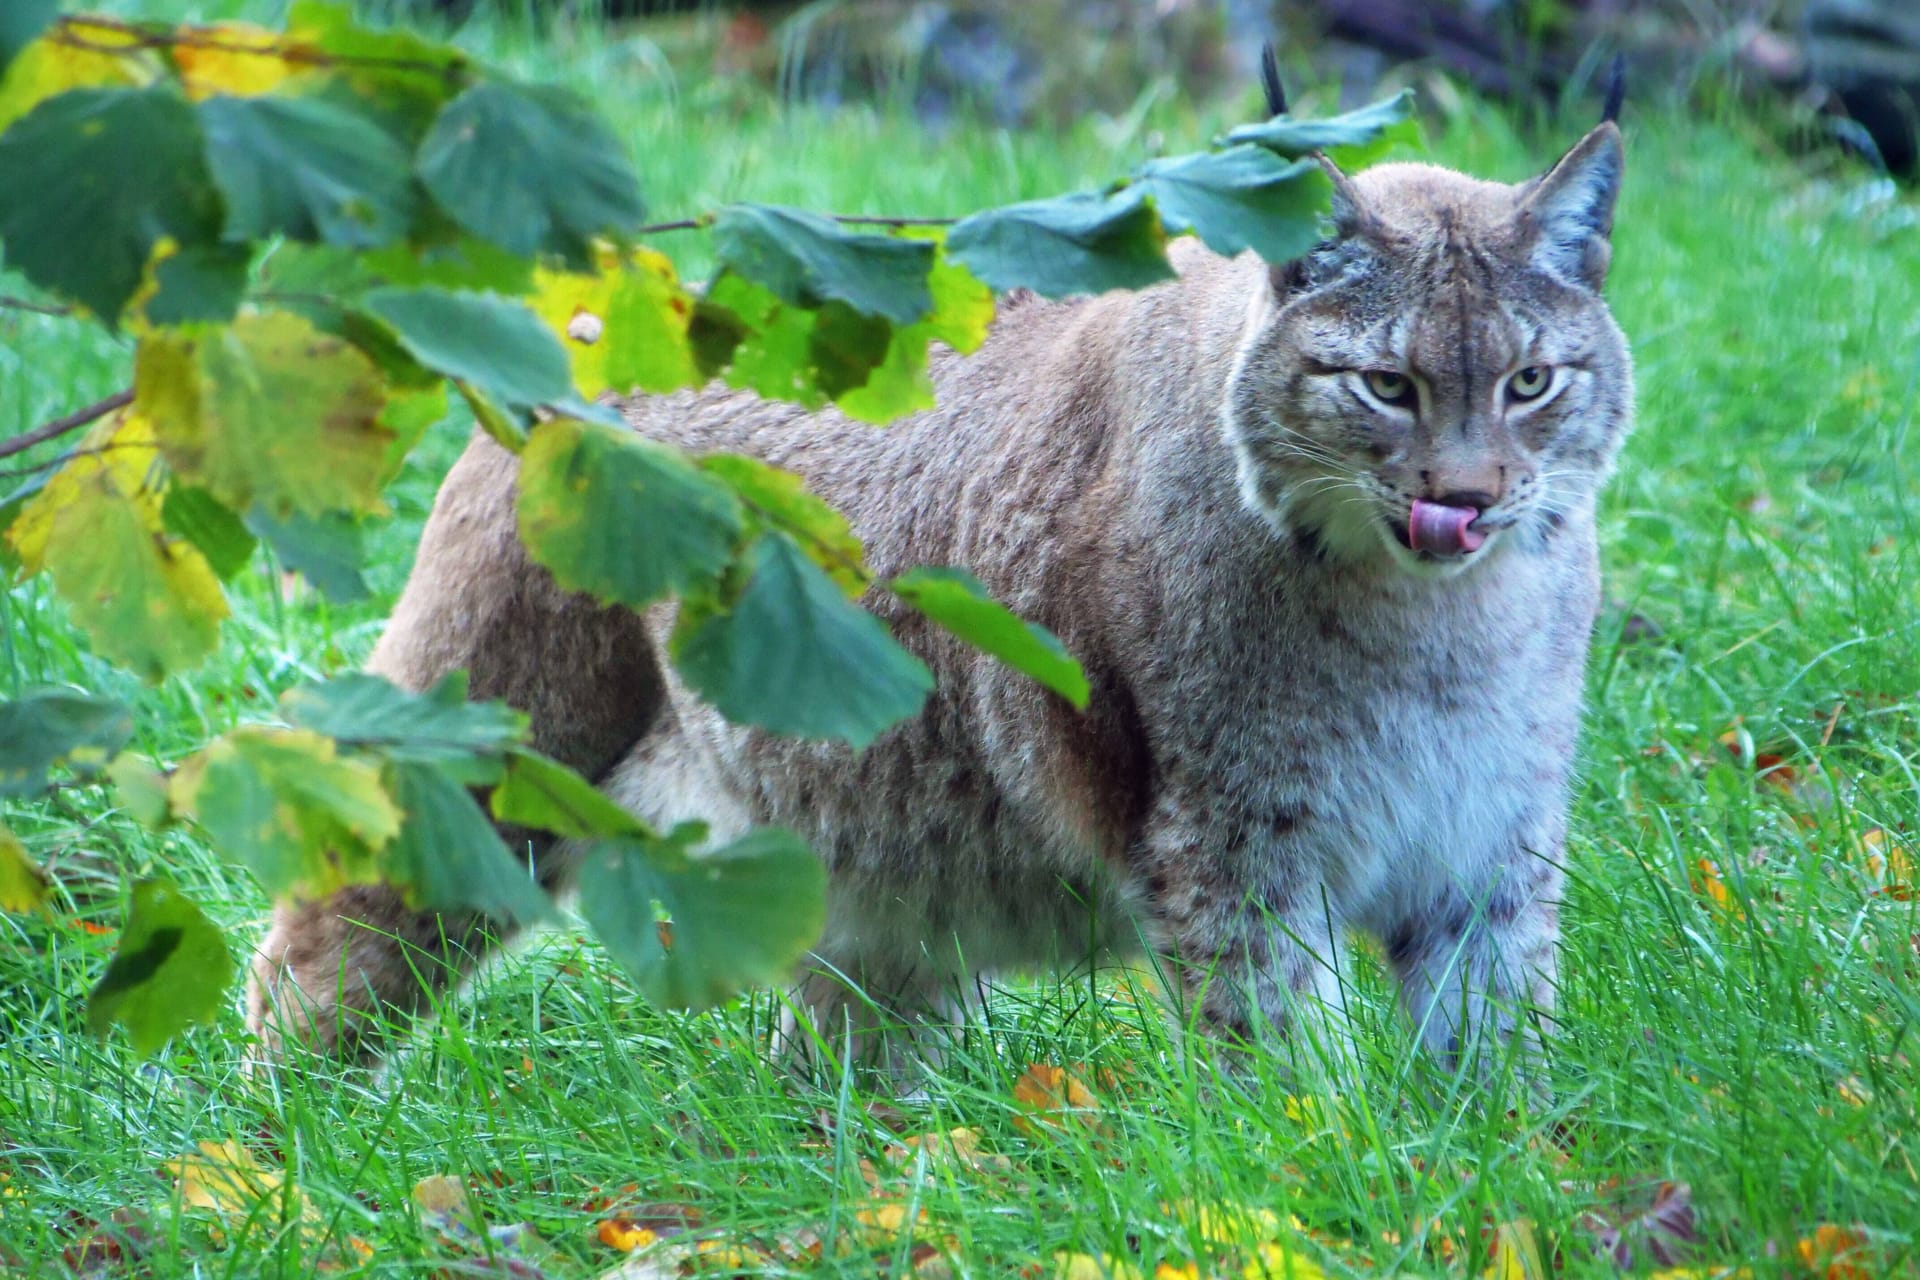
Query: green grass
{"points": [[1758, 1050]]}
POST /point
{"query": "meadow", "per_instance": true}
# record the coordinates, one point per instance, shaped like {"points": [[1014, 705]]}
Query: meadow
{"points": [[1732, 1081]]}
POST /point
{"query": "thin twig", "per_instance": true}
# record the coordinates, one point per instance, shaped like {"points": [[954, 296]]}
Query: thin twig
{"points": [[11, 303], [61, 426], [847, 219], [683, 224]]}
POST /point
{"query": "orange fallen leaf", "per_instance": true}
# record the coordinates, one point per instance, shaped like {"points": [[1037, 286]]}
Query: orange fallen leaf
{"points": [[1834, 1253], [624, 1235], [1049, 1093]]}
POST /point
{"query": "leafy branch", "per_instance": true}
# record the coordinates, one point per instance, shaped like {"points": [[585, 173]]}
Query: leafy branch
{"points": [[318, 238]]}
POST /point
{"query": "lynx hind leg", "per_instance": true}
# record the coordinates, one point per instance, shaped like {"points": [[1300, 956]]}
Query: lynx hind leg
{"points": [[590, 683]]}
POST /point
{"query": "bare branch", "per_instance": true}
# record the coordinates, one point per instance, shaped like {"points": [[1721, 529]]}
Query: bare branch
{"points": [[61, 426], [10, 303]]}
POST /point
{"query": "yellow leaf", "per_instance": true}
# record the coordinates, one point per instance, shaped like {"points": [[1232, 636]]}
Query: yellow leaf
{"points": [[269, 410], [1081, 1266], [150, 601], [1225, 1223], [238, 59], [1278, 1260], [225, 1178], [624, 326], [954, 1149], [1887, 861], [1516, 1254], [75, 55], [23, 886], [283, 802]]}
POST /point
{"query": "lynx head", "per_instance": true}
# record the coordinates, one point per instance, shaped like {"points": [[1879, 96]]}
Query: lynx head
{"points": [[1440, 377]]}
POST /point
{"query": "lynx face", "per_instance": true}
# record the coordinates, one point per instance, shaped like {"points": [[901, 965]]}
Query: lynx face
{"points": [[1441, 378]]}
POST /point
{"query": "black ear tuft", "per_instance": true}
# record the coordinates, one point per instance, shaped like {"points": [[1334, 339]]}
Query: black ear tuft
{"points": [[1616, 90], [1270, 80]]}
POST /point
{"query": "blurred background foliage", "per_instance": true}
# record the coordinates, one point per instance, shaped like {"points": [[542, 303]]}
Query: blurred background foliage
{"points": [[1843, 72]]}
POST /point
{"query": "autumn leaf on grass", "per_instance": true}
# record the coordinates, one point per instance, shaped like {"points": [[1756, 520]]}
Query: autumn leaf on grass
{"points": [[1662, 1232], [225, 1179], [1516, 1253], [1220, 1223], [1708, 883], [954, 1149], [512, 1250], [1835, 1253], [1887, 862], [23, 886], [643, 1225], [1051, 1096]]}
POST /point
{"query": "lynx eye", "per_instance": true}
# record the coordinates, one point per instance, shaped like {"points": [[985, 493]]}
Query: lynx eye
{"points": [[1389, 387], [1530, 383]]}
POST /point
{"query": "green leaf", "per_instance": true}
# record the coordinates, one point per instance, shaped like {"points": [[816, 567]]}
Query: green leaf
{"points": [[779, 500], [899, 384], [23, 885], [149, 602], [955, 599], [201, 284], [625, 519], [326, 550], [763, 344], [21, 23], [1066, 245], [495, 345], [171, 970], [1243, 198], [530, 169], [307, 168], [438, 727], [1351, 141], [448, 856], [793, 655], [282, 803], [647, 321], [41, 730], [142, 789], [722, 919], [807, 261], [94, 179], [200, 518], [270, 411], [545, 794]]}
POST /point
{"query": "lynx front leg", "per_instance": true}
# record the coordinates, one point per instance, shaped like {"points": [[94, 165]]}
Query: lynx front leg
{"points": [[1478, 964], [1253, 939]]}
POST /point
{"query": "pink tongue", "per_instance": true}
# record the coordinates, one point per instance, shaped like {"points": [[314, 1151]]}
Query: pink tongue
{"points": [[1443, 530]]}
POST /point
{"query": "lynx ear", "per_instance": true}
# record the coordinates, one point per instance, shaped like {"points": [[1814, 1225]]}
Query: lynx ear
{"points": [[1568, 212], [1332, 257]]}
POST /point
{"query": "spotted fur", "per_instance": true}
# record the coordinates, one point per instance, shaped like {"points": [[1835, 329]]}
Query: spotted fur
{"points": [[1299, 726]]}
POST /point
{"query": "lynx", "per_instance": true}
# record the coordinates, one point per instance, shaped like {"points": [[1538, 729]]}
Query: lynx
{"points": [[1322, 534]]}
